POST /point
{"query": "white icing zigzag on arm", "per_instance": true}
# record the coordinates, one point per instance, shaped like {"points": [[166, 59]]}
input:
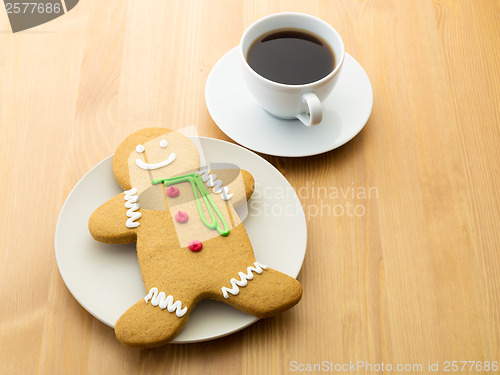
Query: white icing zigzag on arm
{"points": [[216, 185], [244, 280], [163, 301], [131, 198]]}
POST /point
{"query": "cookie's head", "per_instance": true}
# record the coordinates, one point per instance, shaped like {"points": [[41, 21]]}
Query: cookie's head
{"points": [[153, 153]]}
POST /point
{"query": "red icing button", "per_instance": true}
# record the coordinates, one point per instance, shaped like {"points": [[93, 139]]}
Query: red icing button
{"points": [[195, 245], [181, 217], [172, 192]]}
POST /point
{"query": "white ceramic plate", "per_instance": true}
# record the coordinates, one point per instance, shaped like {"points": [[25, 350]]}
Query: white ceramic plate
{"points": [[236, 113], [106, 280]]}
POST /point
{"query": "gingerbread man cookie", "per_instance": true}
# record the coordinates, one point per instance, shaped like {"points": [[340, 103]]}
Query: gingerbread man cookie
{"points": [[191, 244]]}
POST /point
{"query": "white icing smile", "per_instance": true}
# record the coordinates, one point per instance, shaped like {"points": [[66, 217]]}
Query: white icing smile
{"points": [[143, 165]]}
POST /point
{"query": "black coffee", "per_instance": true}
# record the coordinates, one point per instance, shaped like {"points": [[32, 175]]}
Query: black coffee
{"points": [[292, 57]]}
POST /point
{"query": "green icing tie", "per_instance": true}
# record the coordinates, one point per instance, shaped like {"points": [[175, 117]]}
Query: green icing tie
{"points": [[197, 184]]}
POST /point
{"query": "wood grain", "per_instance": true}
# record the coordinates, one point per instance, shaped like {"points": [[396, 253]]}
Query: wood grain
{"points": [[414, 278]]}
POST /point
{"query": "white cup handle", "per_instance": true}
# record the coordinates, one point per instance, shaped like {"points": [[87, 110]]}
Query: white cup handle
{"points": [[315, 114]]}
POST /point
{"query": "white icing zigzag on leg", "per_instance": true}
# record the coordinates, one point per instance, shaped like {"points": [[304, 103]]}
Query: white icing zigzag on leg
{"points": [[161, 299], [131, 198], [244, 280]]}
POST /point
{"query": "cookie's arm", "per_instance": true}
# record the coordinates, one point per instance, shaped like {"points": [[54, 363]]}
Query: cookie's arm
{"points": [[240, 184], [249, 183], [108, 222]]}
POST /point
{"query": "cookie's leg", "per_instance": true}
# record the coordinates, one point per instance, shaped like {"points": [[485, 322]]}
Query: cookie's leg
{"points": [[264, 294], [154, 320]]}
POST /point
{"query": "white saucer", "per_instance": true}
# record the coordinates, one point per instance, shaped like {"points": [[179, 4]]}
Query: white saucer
{"points": [[106, 280], [238, 115]]}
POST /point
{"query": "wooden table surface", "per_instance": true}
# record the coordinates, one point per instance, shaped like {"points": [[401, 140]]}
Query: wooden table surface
{"points": [[411, 277]]}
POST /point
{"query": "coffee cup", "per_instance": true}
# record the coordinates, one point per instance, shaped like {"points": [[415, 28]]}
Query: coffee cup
{"points": [[292, 100]]}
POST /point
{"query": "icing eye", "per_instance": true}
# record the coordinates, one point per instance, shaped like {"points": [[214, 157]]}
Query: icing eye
{"points": [[163, 143], [139, 149]]}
